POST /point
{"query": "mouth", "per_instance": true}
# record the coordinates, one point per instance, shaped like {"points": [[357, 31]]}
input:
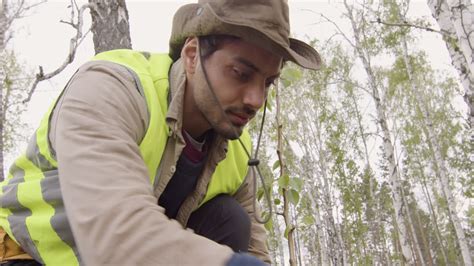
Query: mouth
{"points": [[239, 119]]}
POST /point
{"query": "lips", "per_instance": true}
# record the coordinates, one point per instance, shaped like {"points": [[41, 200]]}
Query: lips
{"points": [[239, 119]]}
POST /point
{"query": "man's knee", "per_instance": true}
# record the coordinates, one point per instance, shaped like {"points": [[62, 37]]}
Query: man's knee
{"points": [[223, 220], [235, 214]]}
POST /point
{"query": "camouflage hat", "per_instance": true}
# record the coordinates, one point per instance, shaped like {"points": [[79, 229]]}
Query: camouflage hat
{"points": [[261, 22]]}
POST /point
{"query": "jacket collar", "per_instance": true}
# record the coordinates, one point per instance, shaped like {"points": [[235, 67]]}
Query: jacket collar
{"points": [[177, 81]]}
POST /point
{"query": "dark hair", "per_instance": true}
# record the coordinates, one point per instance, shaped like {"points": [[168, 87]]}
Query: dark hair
{"points": [[211, 43]]}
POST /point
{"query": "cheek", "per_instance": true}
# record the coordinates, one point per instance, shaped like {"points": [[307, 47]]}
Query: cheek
{"points": [[225, 88]]}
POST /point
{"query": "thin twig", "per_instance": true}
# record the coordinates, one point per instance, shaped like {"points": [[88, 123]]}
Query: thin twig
{"points": [[73, 45], [406, 24], [334, 24]]}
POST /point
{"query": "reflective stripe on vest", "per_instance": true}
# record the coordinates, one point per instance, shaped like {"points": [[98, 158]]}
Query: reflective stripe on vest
{"points": [[32, 212]]}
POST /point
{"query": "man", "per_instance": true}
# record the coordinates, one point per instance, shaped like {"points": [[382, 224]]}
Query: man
{"points": [[143, 160]]}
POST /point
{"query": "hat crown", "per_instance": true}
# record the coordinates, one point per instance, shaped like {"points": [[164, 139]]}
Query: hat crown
{"points": [[268, 16], [264, 23]]}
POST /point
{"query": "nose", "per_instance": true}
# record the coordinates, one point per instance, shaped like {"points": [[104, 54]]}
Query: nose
{"points": [[254, 96]]}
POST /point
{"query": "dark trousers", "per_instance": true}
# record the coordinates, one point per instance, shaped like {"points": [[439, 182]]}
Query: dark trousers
{"points": [[221, 219], [224, 221]]}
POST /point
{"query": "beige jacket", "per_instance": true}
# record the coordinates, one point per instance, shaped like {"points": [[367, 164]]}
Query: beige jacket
{"points": [[112, 208]]}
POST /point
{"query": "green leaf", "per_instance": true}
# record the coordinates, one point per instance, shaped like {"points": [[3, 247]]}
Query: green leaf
{"points": [[269, 225], [290, 75], [277, 201], [293, 196], [280, 190], [296, 183], [276, 164], [283, 181]]}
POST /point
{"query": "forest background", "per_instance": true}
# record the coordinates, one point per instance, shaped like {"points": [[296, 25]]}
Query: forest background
{"points": [[368, 161]]}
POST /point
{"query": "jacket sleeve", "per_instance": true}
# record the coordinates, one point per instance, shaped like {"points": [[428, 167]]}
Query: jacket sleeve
{"points": [[258, 235], [112, 211]]}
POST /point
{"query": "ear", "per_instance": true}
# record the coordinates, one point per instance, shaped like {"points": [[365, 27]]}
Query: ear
{"points": [[189, 54]]}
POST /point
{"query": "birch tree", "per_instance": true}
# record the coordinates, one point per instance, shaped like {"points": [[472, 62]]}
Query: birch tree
{"points": [[110, 25], [14, 78], [427, 125], [456, 21], [110, 28], [3, 29], [438, 162], [365, 134], [388, 148]]}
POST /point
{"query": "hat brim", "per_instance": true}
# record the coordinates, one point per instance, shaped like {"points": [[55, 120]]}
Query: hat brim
{"points": [[304, 54], [200, 20]]}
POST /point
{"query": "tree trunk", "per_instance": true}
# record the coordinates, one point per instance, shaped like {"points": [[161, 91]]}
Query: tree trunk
{"points": [[3, 32], [320, 232], [455, 19], [110, 25], [439, 161], [435, 220], [334, 246], [426, 245], [370, 214], [388, 147], [297, 237], [411, 227], [281, 252]]}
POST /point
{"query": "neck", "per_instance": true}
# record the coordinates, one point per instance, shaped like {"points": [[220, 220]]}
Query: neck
{"points": [[194, 121]]}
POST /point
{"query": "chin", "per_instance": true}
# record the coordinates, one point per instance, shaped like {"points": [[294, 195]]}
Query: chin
{"points": [[229, 132]]}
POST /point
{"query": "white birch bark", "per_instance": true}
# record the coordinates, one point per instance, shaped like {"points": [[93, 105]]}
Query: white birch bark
{"points": [[388, 147], [279, 254], [432, 212], [456, 20], [411, 224], [462, 19], [320, 233], [374, 226], [3, 32], [438, 162], [336, 247], [313, 146]]}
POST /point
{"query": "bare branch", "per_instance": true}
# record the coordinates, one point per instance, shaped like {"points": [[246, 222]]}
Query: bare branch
{"points": [[407, 24], [68, 23], [74, 44], [334, 24]]}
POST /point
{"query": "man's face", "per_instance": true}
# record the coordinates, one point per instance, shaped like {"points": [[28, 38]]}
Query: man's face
{"points": [[240, 74]]}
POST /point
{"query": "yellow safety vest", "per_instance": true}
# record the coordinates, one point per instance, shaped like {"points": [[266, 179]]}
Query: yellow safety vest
{"points": [[32, 211]]}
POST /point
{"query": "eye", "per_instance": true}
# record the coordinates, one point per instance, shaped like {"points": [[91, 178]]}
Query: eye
{"points": [[269, 83], [240, 75]]}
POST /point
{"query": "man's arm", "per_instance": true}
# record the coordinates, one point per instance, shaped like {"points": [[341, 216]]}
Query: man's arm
{"points": [[106, 190], [258, 235]]}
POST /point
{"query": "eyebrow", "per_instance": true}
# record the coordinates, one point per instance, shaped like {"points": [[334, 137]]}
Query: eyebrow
{"points": [[251, 65], [247, 63]]}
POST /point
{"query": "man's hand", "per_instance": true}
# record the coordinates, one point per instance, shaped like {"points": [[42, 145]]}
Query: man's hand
{"points": [[242, 259]]}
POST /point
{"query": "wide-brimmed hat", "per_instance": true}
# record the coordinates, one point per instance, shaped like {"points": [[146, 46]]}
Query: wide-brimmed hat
{"points": [[262, 22]]}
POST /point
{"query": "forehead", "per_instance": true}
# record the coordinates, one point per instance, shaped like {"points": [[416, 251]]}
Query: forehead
{"points": [[246, 53]]}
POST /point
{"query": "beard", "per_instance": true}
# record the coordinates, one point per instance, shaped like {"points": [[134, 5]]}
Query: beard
{"points": [[218, 119], [212, 110]]}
